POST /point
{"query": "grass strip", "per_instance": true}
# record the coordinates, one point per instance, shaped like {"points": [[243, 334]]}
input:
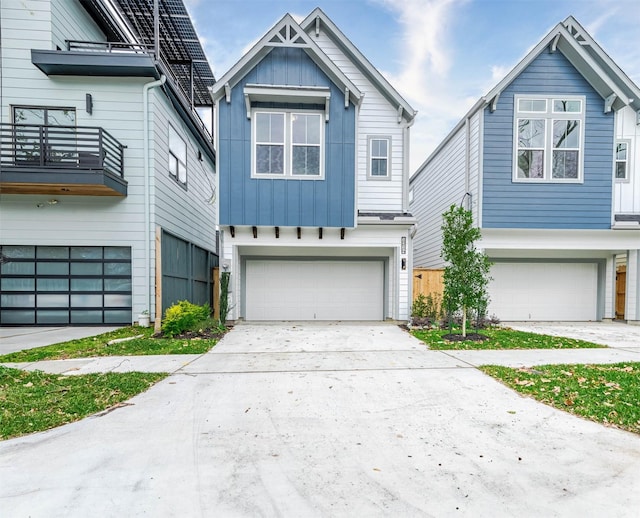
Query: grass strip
{"points": [[35, 401], [98, 346], [500, 338], [608, 394]]}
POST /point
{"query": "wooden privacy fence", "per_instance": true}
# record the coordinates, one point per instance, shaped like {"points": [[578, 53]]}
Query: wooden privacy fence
{"points": [[426, 281]]}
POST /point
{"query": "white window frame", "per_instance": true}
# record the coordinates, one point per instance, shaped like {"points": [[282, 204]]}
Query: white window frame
{"points": [[371, 157], [626, 161], [288, 143], [173, 154], [549, 116]]}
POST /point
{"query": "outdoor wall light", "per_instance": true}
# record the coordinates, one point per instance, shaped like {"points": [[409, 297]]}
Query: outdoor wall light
{"points": [[225, 266], [404, 263]]}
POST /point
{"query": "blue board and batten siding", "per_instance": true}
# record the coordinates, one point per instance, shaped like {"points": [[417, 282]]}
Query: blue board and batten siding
{"points": [[329, 202], [508, 204]]}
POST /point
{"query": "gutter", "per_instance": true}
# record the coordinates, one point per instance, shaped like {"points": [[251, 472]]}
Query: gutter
{"points": [[147, 196]]}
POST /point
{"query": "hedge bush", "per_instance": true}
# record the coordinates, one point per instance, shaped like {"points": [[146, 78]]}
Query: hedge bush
{"points": [[183, 316]]}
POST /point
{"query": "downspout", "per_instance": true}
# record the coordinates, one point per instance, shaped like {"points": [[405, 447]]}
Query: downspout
{"points": [[147, 183]]}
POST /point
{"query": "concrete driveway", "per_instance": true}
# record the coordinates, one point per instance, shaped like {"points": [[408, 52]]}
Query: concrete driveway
{"points": [[324, 420]]}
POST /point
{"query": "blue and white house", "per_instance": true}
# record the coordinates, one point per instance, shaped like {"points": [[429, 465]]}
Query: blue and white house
{"points": [[313, 180], [107, 188], [549, 163]]}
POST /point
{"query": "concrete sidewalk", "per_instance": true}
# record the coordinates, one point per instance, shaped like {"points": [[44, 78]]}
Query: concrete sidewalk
{"points": [[340, 347], [327, 420]]}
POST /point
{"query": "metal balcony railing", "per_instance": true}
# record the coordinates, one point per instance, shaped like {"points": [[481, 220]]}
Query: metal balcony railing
{"points": [[61, 147]]}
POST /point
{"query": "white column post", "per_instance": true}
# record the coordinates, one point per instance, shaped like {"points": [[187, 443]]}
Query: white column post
{"points": [[610, 289], [632, 302]]}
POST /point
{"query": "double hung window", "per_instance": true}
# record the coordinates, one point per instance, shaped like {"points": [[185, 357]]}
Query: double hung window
{"points": [[622, 160], [549, 139], [177, 157], [379, 150], [288, 144]]}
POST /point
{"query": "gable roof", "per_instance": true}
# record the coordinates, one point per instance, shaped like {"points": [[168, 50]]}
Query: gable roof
{"points": [[570, 38], [285, 33], [595, 65], [318, 18]]}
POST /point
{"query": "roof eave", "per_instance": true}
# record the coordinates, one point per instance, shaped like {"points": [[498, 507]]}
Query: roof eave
{"points": [[264, 46], [378, 80]]}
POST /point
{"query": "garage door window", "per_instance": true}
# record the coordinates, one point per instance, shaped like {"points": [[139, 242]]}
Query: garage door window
{"points": [[65, 285]]}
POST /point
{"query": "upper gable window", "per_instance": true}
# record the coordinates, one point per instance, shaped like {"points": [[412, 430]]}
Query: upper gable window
{"points": [[549, 139], [379, 151], [287, 144], [622, 160], [177, 157]]}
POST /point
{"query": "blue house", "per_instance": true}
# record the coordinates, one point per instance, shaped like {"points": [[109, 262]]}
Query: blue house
{"points": [[548, 163], [313, 179]]}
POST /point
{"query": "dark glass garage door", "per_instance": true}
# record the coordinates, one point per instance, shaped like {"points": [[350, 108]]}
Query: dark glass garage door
{"points": [[62, 285]]}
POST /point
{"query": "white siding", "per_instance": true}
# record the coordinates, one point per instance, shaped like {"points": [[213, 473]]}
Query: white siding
{"points": [[117, 107], [376, 117], [438, 185], [71, 22], [188, 213], [627, 194], [365, 241]]}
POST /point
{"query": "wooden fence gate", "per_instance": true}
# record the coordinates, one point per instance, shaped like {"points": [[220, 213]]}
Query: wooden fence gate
{"points": [[426, 281]]}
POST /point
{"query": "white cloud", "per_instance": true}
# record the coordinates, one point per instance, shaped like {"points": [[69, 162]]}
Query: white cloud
{"points": [[425, 63]]}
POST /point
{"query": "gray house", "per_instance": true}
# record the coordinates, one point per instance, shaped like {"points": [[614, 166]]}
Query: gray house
{"points": [[107, 188]]}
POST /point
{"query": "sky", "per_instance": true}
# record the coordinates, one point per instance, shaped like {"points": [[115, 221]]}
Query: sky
{"points": [[440, 55]]}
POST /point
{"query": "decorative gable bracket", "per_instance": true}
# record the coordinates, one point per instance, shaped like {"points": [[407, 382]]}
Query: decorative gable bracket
{"points": [[608, 102]]}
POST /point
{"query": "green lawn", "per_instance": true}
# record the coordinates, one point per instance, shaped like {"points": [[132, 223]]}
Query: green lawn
{"points": [[35, 401], [608, 394], [500, 338], [98, 346]]}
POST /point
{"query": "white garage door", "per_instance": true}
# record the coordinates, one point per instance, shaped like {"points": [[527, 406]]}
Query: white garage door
{"points": [[544, 291], [314, 290]]}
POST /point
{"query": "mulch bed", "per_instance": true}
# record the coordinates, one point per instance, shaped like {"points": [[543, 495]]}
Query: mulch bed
{"points": [[475, 337], [205, 334]]}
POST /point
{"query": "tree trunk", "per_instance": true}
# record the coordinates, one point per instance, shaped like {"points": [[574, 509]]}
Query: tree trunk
{"points": [[464, 321]]}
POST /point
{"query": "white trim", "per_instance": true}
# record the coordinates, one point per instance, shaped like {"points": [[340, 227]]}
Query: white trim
{"points": [[287, 94], [358, 59], [370, 157], [264, 46], [627, 161], [288, 145], [549, 117]]}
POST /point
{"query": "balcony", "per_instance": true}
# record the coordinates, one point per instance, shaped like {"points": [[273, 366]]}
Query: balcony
{"points": [[60, 160]]}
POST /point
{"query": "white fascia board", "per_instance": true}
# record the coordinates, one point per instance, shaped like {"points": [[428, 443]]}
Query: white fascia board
{"points": [[378, 80], [576, 54], [558, 239], [605, 61], [373, 220], [265, 45]]}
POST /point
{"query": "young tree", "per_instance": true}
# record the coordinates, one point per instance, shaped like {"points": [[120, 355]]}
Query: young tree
{"points": [[466, 275]]}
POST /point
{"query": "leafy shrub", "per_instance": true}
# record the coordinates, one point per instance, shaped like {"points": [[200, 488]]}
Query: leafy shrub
{"points": [[426, 310], [429, 306], [183, 316]]}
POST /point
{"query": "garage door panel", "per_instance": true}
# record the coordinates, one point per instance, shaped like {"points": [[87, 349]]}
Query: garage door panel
{"points": [[544, 291], [314, 290]]}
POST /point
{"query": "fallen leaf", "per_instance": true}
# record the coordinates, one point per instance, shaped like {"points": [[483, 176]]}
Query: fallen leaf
{"points": [[376, 469], [568, 402], [582, 380], [28, 384]]}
